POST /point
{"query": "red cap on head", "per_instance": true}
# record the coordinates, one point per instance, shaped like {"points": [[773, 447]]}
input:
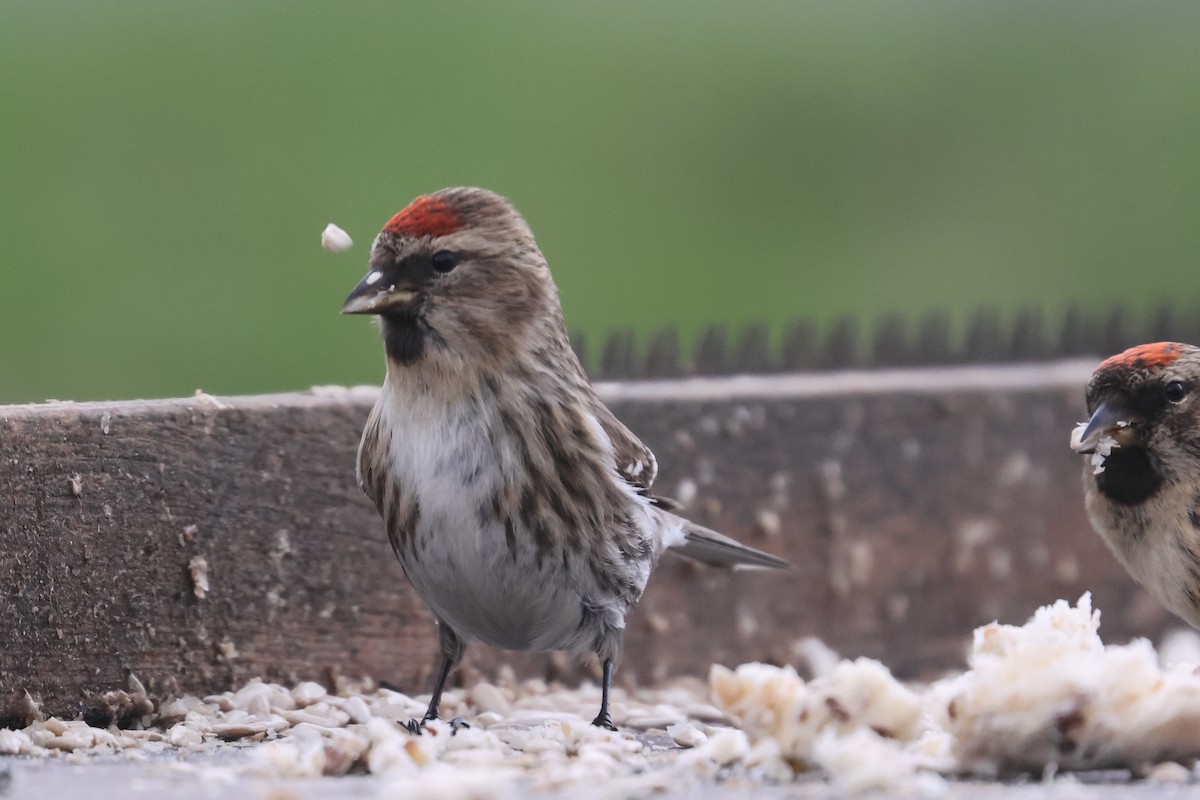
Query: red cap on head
{"points": [[425, 216], [1146, 356]]}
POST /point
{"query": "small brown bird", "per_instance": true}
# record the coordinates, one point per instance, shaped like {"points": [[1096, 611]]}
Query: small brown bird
{"points": [[1142, 483], [518, 505]]}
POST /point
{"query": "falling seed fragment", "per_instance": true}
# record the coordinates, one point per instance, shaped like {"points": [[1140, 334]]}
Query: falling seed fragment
{"points": [[335, 240]]}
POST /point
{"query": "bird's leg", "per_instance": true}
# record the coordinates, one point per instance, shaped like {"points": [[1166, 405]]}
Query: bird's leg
{"points": [[438, 686], [604, 719], [452, 650]]}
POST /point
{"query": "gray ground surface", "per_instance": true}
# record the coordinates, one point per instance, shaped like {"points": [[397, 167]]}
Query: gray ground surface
{"points": [[213, 777]]}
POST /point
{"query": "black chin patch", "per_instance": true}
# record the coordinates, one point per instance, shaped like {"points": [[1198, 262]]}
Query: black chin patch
{"points": [[403, 337], [1129, 477]]}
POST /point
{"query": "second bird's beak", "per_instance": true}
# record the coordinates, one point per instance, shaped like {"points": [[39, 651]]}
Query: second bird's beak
{"points": [[374, 295], [1110, 419]]}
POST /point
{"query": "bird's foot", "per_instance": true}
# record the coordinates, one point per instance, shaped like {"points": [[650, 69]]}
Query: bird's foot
{"points": [[417, 728], [604, 720]]}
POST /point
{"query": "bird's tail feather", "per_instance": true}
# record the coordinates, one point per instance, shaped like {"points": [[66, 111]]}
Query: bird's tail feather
{"points": [[717, 550]]}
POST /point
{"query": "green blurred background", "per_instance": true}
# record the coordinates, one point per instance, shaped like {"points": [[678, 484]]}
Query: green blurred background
{"points": [[167, 168]]}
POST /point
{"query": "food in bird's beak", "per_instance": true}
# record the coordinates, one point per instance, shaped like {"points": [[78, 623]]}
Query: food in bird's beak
{"points": [[335, 240], [1077, 435], [1104, 446]]}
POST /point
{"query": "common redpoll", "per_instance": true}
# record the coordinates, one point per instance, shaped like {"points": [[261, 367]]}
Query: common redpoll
{"points": [[518, 505], [1142, 482]]}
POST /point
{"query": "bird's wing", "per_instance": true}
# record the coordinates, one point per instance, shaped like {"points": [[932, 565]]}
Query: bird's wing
{"points": [[636, 463], [638, 467], [366, 469]]}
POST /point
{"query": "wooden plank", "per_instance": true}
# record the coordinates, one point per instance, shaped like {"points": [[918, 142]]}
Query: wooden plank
{"points": [[915, 504]]}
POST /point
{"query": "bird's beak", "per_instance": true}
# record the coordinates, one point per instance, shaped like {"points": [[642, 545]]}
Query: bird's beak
{"points": [[374, 295], [1110, 420]]}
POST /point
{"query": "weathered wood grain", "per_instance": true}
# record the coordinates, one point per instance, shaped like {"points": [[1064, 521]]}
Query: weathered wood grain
{"points": [[915, 505]]}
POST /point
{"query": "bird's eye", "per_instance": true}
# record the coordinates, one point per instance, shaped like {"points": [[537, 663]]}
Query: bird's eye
{"points": [[445, 260], [1175, 391]]}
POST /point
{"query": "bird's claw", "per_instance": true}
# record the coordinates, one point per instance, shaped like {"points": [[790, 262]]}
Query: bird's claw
{"points": [[604, 720], [417, 728]]}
